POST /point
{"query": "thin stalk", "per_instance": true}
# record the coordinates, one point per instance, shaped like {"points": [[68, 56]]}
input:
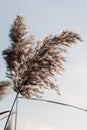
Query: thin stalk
{"points": [[6, 116], [11, 110], [1, 113], [59, 103], [16, 114]]}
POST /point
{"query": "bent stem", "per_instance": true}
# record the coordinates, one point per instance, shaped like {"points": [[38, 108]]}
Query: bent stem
{"points": [[4, 112], [58, 103], [6, 116], [11, 110]]}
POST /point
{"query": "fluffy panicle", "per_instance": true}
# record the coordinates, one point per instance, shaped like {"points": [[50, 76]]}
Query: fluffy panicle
{"points": [[32, 65], [15, 55], [48, 60], [20, 51], [4, 88]]}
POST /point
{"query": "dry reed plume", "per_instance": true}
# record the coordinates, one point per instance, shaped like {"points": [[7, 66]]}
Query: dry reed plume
{"points": [[32, 65], [4, 88]]}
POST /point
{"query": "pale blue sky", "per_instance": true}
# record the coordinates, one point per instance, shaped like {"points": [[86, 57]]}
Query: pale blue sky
{"points": [[50, 17]]}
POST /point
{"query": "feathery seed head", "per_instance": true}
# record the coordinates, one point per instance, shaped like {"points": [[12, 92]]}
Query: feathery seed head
{"points": [[4, 88], [32, 65]]}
